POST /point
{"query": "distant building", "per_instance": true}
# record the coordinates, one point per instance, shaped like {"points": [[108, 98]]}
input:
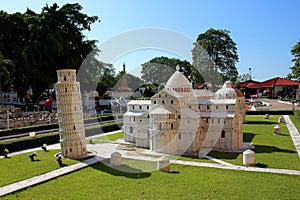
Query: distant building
{"points": [[182, 120], [272, 87]]}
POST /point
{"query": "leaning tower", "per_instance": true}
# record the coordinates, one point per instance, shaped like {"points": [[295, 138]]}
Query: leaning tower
{"points": [[70, 115]]}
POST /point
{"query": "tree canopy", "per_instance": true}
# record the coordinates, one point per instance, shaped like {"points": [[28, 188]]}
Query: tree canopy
{"points": [[296, 60], [159, 69], [40, 44], [215, 52]]}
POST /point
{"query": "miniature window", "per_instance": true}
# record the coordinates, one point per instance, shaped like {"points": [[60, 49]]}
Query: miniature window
{"points": [[223, 134], [65, 78], [212, 120], [207, 107], [148, 116], [130, 130], [140, 107], [159, 96], [172, 101], [218, 120], [163, 102], [206, 120], [141, 120], [217, 107], [179, 116], [134, 119], [70, 150], [66, 90], [166, 95], [172, 126], [132, 107], [154, 102], [179, 136], [147, 107], [74, 128], [226, 107]]}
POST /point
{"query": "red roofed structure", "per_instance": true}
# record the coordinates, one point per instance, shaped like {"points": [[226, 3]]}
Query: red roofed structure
{"points": [[272, 87]]}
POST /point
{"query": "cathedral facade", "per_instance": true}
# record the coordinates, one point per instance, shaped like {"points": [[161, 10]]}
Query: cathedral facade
{"points": [[182, 120]]}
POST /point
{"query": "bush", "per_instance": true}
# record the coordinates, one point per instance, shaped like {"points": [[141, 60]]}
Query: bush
{"points": [[29, 142]]}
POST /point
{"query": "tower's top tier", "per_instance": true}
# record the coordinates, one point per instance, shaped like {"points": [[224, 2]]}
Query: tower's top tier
{"points": [[66, 75]]}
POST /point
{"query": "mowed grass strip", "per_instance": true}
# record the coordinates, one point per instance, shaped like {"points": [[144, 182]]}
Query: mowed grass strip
{"points": [[186, 182], [272, 151], [20, 167], [107, 138]]}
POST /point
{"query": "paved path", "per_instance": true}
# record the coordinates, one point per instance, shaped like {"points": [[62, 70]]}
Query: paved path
{"points": [[104, 151], [293, 132]]}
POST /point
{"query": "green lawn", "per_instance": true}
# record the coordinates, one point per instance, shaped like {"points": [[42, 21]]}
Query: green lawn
{"points": [[107, 138], [20, 167], [273, 151], [186, 182]]}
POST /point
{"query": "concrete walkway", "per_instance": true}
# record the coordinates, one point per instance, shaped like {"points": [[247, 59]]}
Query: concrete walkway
{"points": [[293, 132]]}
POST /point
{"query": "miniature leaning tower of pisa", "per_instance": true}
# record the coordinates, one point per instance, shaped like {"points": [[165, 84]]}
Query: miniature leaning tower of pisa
{"points": [[70, 115]]}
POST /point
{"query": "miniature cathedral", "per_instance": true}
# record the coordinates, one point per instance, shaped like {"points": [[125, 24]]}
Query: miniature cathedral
{"points": [[182, 120], [70, 114]]}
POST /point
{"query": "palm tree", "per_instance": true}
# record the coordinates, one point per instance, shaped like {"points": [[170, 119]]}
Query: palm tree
{"points": [[7, 67]]}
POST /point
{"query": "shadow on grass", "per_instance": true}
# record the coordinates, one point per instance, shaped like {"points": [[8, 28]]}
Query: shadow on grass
{"points": [[262, 122], [261, 165], [271, 149], [123, 170], [224, 155], [247, 137]]}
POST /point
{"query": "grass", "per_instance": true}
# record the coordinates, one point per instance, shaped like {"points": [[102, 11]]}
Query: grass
{"points": [[273, 151], [186, 182], [19, 167], [107, 138]]}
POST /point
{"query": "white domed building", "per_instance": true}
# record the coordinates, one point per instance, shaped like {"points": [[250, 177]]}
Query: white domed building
{"points": [[182, 120]]}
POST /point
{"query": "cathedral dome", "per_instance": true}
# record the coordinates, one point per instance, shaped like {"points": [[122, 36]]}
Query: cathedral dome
{"points": [[226, 92], [178, 82]]}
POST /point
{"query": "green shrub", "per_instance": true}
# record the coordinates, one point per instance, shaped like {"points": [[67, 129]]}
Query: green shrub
{"points": [[270, 112], [29, 142]]}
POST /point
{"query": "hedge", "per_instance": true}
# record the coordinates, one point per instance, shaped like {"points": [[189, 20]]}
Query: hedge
{"points": [[270, 112], [27, 129], [51, 138]]}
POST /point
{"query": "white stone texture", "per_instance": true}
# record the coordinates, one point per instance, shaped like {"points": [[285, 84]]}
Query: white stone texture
{"points": [[70, 114]]}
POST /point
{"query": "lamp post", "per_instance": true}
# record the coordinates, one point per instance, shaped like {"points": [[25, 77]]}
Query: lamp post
{"points": [[250, 73]]}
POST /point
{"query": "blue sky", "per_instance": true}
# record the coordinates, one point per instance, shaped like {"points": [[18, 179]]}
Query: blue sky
{"points": [[264, 31]]}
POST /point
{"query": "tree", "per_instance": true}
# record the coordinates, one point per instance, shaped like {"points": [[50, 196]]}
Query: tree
{"points": [[42, 43], [215, 52], [159, 69], [296, 68], [6, 71]]}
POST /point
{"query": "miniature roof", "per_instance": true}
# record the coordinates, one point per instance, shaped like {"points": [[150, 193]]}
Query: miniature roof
{"points": [[189, 113], [160, 110], [203, 93], [275, 82], [134, 114], [213, 101], [178, 80], [226, 92], [217, 114], [139, 102]]}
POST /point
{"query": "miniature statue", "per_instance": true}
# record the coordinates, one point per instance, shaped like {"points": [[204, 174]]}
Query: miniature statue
{"points": [[5, 153], [44, 147], [31, 156]]}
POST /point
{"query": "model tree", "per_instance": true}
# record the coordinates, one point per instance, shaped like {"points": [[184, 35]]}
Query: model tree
{"points": [[215, 53]]}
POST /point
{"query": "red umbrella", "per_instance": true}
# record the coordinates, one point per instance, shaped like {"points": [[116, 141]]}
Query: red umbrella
{"points": [[48, 102]]}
